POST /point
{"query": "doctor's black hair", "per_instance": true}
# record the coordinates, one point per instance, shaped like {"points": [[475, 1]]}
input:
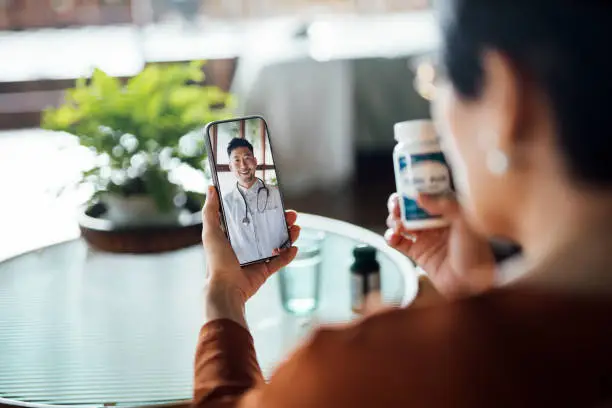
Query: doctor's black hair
{"points": [[236, 143], [562, 47]]}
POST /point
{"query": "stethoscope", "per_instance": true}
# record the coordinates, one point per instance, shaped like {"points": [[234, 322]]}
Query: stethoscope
{"points": [[246, 220]]}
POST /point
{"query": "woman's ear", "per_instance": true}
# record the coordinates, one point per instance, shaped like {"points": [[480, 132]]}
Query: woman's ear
{"points": [[501, 94], [514, 109]]}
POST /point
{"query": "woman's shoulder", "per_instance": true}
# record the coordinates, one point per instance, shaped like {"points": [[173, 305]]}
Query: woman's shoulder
{"points": [[510, 311], [501, 343]]}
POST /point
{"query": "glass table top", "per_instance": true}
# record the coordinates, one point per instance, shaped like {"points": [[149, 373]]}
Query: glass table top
{"points": [[80, 327]]}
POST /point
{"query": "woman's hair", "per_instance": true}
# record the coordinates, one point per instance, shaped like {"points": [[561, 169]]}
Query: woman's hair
{"points": [[563, 47]]}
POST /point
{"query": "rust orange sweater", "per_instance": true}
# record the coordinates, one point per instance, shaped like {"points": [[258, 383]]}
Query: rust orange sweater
{"points": [[506, 348]]}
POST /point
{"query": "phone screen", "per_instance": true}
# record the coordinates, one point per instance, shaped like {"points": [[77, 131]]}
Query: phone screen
{"points": [[243, 170]]}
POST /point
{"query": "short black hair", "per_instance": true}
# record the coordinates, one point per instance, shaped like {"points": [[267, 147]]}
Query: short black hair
{"points": [[236, 143], [562, 47]]}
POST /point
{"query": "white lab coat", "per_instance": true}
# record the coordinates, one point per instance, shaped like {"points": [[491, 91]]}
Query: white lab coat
{"points": [[266, 231]]}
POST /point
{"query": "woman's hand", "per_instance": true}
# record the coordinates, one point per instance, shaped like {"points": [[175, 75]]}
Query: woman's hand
{"points": [[228, 285], [456, 259]]}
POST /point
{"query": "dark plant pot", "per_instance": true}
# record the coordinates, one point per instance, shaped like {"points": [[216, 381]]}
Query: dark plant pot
{"points": [[104, 235]]}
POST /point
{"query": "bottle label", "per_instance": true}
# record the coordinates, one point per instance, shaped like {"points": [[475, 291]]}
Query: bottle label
{"points": [[421, 173]]}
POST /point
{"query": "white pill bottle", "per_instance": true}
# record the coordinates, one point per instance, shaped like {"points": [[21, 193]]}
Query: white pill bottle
{"points": [[420, 167]]}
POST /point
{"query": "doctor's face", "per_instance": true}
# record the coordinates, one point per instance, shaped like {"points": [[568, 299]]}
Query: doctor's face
{"points": [[243, 164]]}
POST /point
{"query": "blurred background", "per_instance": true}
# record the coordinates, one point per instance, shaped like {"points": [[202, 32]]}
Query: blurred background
{"points": [[330, 76]]}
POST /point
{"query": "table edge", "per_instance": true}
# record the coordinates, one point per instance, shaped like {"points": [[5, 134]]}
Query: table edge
{"points": [[326, 224], [9, 403], [369, 237]]}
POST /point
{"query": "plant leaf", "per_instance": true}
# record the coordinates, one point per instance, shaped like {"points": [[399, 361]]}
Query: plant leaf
{"points": [[158, 106]]}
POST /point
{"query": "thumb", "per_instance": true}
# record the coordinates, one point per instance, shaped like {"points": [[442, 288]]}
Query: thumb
{"points": [[210, 212]]}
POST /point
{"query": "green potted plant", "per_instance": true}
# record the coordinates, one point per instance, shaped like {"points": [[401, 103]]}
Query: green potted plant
{"points": [[141, 130]]}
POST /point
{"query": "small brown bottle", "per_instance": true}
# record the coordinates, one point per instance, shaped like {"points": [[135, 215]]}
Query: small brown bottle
{"points": [[365, 276]]}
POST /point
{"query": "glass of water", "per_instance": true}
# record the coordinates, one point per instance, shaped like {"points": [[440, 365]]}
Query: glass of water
{"points": [[300, 280]]}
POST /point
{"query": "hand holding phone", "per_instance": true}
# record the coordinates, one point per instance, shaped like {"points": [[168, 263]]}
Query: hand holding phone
{"points": [[251, 203], [229, 285]]}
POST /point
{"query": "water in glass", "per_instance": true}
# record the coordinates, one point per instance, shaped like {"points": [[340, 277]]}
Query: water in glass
{"points": [[300, 280]]}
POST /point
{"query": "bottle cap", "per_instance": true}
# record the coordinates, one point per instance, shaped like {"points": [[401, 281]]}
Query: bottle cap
{"points": [[415, 131], [364, 253]]}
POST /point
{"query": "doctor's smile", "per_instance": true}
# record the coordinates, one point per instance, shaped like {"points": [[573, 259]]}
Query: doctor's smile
{"points": [[243, 164]]}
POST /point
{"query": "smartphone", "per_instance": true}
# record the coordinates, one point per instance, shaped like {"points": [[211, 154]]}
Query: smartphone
{"points": [[242, 166]]}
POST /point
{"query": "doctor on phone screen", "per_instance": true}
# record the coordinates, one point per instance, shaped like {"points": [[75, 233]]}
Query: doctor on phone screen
{"points": [[253, 210]]}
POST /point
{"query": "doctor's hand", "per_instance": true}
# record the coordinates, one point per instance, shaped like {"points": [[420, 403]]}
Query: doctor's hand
{"points": [[228, 285], [456, 259]]}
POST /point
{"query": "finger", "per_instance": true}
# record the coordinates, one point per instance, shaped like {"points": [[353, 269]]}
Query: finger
{"points": [[399, 242], [291, 217], [446, 206], [282, 260], [398, 228], [393, 205], [393, 222], [392, 237], [396, 224], [216, 245], [294, 232]]}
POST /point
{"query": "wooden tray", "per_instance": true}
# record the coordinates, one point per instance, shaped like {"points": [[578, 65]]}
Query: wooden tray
{"points": [[104, 235]]}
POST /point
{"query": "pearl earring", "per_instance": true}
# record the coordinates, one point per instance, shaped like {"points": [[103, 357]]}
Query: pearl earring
{"points": [[497, 162]]}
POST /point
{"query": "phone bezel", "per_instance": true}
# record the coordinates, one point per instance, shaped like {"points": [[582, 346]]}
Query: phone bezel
{"points": [[213, 172]]}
